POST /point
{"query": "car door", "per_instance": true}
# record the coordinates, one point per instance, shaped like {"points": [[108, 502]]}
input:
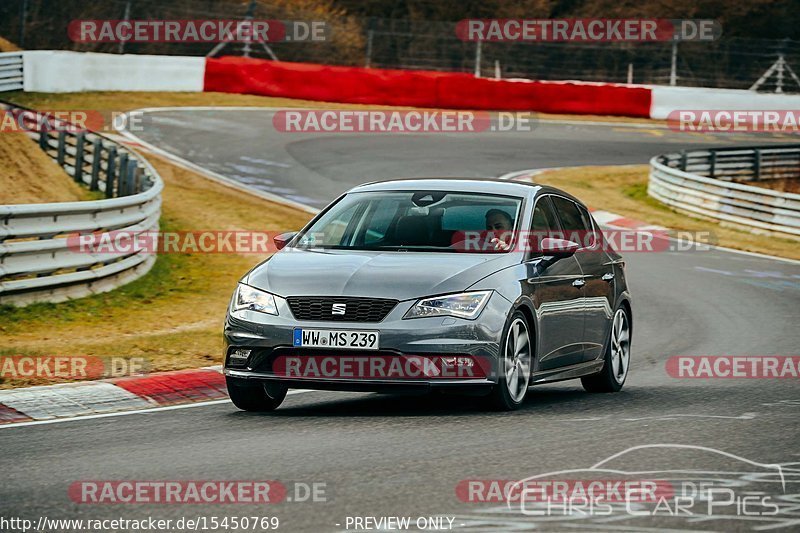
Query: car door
{"points": [[598, 270], [598, 275], [557, 294]]}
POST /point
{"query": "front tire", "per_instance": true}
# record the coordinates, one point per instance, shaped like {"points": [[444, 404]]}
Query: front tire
{"points": [[516, 360], [617, 357], [255, 396]]}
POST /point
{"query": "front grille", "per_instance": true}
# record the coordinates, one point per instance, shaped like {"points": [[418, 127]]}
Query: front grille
{"points": [[356, 309]]}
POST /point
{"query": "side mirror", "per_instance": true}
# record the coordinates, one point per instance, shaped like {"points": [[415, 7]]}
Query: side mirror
{"points": [[283, 239], [558, 248]]}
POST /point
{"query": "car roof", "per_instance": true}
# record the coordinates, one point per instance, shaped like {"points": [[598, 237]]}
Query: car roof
{"points": [[480, 185]]}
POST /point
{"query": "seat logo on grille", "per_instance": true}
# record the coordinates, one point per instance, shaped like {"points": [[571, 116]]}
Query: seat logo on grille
{"points": [[338, 309]]}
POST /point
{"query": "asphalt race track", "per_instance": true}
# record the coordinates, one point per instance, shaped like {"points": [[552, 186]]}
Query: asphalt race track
{"points": [[383, 455], [315, 168]]}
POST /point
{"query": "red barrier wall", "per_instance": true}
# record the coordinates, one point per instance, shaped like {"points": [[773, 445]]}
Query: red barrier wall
{"points": [[417, 88]]}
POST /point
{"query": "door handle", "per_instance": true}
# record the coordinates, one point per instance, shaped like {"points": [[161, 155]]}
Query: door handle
{"points": [[578, 283], [608, 276]]}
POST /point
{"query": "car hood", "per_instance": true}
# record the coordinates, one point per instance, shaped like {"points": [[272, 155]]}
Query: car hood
{"points": [[396, 275]]}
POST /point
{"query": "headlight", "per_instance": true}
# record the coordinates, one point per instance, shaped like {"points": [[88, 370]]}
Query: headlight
{"points": [[464, 305], [250, 298]]}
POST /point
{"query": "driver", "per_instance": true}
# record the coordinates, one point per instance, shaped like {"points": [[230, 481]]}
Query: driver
{"points": [[499, 222]]}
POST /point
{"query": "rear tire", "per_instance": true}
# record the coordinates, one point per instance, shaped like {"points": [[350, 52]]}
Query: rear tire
{"points": [[616, 359], [516, 360], [258, 397]]}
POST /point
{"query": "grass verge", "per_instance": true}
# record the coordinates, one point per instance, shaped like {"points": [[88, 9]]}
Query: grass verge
{"points": [[623, 190]]}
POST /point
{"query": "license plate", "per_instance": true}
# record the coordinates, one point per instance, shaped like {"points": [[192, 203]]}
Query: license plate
{"points": [[336, 338]]}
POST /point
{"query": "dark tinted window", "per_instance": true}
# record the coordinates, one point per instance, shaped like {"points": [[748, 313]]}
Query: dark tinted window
{"points": [[543, 224], [544, 218], [592, 235], [571, 219]]}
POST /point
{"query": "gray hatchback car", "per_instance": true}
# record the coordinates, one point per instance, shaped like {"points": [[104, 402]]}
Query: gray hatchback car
{"points": [[469, 285]]}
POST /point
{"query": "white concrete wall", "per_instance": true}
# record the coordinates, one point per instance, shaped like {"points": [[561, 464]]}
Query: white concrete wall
{"points": [[668, 99], [65, 72]]}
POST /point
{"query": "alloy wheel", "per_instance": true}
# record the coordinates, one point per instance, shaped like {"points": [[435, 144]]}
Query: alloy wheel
{"points": [[517, 359], [620, 346]]}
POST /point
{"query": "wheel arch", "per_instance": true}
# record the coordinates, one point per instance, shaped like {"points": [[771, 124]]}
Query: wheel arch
{"points": [[625, 302]]}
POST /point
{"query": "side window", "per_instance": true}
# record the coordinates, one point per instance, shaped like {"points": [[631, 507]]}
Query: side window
{"points": [[544, 223], [592, 235], [544, 218], [575, 228]]}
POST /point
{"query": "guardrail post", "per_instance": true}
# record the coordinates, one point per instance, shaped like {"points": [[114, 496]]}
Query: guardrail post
{"points": [[683, 161], [712, 164], [44, 138], [111, 171], [137, 179], [97, 153], [130, 177], [78, 175], [756, 164], [122, 182], [62, 147]]}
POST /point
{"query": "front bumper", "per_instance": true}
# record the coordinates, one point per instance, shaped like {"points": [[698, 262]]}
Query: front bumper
{"points": [[269, 337]]}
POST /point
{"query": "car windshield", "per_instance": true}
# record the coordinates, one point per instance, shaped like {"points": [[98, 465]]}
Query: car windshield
{"points": [[415, 221]]}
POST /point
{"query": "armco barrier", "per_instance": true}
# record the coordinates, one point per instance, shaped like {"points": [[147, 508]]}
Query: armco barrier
{"points": [[11, 67], [36, 263], [699, 182], [418, 88]]}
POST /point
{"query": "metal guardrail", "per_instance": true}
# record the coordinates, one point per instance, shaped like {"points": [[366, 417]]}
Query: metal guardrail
{"points": [[38, 262], [703, 182], [11, 67]]}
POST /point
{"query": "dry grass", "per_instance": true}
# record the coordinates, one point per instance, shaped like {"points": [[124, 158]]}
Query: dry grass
{"points": [[28, 175], [623, 190], [173, 316], [8, 46]]}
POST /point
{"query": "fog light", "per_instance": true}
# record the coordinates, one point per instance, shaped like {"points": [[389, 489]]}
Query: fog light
{"points": [[239, 356], [459, 361]]}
